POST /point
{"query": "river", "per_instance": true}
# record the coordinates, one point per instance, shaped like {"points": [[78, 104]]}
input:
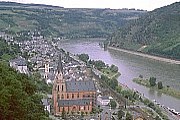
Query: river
{"points": [[131, 66]]}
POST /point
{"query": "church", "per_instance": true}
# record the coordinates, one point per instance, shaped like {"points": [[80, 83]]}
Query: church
{"points": [[72, 94]]}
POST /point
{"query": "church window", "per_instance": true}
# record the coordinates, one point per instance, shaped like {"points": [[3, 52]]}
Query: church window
{"points": [[58, 87], [62, 87], [78, 95], [84, 107], [58, 96], [62, 96]]}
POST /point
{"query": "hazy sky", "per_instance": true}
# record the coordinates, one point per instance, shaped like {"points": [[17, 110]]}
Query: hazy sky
{"points": [[138, 4]]}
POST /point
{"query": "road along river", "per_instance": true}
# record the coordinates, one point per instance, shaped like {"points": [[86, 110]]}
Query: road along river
{"points": [[131, 66]]}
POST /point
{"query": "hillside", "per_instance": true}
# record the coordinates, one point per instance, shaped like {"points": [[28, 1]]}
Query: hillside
{"points": [[19, 100], [155, 33], [63, 22]]}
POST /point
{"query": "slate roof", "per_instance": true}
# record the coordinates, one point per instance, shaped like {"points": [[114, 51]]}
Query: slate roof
{"points": [[105, 98], [45, 102], [80, 102], [19, 61], [76, 86]]}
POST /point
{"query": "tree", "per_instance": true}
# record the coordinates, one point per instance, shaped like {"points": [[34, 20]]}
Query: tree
{"points": [[63, 113], [157, 118], [160, 85], [114, 68], [82, 114], [129, 116], [99, 64], [19, 98], [84, 57], [120, 114], [141, 76], [152, 81], [118, 89], [113, 83], [113, 104]]}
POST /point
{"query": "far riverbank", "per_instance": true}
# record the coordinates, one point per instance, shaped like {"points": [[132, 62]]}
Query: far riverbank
{"points": [[147, 56]]}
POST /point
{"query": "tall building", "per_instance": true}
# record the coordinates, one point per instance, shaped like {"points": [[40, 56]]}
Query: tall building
{"points": [[72, 95]]}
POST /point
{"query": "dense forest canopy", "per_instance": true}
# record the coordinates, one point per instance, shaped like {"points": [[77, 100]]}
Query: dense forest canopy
{"points": [[158, 31], [19, 100]]}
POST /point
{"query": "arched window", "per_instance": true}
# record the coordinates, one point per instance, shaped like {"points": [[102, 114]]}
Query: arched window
{"points": [[78, 95], [62, 87], [72, 95], [62, 96], [57, 96], [84, 107], [58, 87], [67, 96]]}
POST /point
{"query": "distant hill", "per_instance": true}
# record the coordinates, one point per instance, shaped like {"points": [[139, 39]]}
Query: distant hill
{"points": [[63, 22], [157, 33]]}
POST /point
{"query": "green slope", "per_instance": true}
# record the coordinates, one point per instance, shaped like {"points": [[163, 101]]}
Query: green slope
{"points": [[63, 22], [158, 29]]}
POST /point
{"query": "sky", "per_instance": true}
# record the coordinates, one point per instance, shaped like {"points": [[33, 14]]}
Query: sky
{"points": [[113, 4]]}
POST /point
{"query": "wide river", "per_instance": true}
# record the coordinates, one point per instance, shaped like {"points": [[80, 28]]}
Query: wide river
{"points": [[131, 66]]}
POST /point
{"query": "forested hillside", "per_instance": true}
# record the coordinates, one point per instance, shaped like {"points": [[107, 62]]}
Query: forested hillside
{"points": [[18, 98], [62, 22], [157, 33]]}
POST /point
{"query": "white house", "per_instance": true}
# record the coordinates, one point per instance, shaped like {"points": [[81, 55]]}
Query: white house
{"points": [[20, 65], [46, 104], [103, 100]]}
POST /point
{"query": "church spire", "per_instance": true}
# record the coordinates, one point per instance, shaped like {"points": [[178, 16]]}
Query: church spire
{"points": [[60, 67]]}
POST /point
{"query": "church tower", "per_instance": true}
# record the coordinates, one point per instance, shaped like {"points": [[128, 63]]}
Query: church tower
{"points": [[59, 87]]}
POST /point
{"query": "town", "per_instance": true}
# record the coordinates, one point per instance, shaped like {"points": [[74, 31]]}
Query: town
{"points": [[77, 90]]}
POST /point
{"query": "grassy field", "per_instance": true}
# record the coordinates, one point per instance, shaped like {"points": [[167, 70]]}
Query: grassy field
{"points": [[166, 90]]}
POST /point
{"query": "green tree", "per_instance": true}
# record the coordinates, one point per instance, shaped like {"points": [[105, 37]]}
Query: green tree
{"points": [[113, 83], [114, 68], [157, 118], [160, 85], [129, 116], [118, 89], [113, 104], [19, 98], [152, 81], [84, 57], [82, 114], [63, 113], [99, 64], [120, 114]]}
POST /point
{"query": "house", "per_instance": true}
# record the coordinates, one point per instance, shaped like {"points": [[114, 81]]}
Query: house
{"points": [[103, 100], [20, 65], [46, 105]]}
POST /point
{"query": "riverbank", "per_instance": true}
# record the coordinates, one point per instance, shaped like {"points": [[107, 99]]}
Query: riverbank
{"points": [[147, 56], [166, 90]]}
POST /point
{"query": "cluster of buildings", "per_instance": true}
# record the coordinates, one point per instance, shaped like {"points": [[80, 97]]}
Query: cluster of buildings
{"points": [[73, 87]]}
